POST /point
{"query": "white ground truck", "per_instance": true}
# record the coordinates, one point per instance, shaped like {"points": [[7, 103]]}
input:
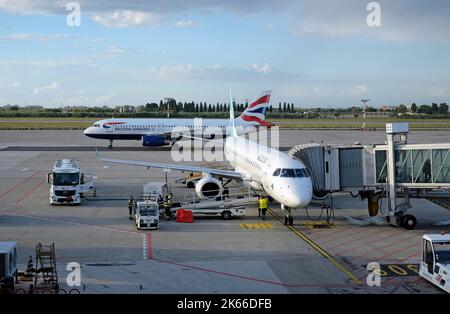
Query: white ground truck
{"points": [[67, 182], [146, 215], [435, 266]]}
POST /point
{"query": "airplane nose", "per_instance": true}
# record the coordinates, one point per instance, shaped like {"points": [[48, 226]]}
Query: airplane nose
{"points": [[88, 131], [300, 195]]}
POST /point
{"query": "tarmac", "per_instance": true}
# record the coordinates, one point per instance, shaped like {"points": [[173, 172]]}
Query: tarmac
{"points": [[242, 255]]}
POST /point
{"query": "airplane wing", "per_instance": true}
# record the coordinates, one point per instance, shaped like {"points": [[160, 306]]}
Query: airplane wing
{"points": [[213, 172]]}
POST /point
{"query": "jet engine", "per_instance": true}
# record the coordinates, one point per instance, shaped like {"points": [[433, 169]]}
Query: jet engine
{"points": [[154, 140], [208, 187]]}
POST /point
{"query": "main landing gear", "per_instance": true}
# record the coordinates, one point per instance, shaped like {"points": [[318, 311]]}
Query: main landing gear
{"points": [[110, 144], [288, 219]]}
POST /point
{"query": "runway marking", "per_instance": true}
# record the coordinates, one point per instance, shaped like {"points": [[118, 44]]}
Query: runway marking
{"points": [[362, 245], [18, 184], [144, 247], [30, 191], [384, 247], [319, 250], [105, 167], [25, 169], [149, 246], [256, 226]]}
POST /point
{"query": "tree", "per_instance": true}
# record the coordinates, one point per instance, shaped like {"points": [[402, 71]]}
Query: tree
{"points": [[413, 108], [434, 108], [425, 109], [279, 106], [284, 107], [443, 108], [196, 107], [401, 109]]}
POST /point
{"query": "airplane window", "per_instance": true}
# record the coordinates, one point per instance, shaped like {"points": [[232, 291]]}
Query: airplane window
{"points": [[277, 172], [288, 173], [301, 173]]}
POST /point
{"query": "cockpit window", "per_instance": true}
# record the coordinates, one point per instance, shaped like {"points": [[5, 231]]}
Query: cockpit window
{"points": [[292, 173], [96, 125], [301, 173], [287, 173], [277, 172]]}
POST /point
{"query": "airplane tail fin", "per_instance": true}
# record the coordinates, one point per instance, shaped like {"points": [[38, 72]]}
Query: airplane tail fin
{"points": [[255, 113], [233, 127]]}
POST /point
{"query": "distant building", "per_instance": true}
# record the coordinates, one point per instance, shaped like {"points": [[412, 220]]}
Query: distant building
{"points": [[126, 108], [34, 107], [387, 108]]}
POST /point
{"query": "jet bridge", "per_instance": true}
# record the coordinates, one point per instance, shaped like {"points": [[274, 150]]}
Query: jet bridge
{"points": [[395, 170]]}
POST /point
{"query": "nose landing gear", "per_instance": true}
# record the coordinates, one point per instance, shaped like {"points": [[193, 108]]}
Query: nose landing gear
{"points": [[110, 146], [288, 219]]}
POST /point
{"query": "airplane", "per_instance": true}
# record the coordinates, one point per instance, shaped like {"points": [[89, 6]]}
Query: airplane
{"points": [[158, 132], [260, 167]]}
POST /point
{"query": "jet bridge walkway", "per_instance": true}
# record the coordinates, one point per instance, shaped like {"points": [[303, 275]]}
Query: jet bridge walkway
{"points": [[395, 170]]}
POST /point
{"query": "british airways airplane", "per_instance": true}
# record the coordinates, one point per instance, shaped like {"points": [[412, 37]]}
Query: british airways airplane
{"points": [[157, 132], [263, 168]]}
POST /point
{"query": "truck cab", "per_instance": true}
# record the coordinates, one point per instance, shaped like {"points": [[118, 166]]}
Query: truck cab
{"points": [[67, 182], [147, 214], [435, 265]]}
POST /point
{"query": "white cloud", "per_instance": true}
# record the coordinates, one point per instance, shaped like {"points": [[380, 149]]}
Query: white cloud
{"points": [[265, 68], [220, 72], [362, 88], [183, 23], [15, 84], [50, 63], [48, 88], [102, 100], [35, 37], [127, 18], [401, 21]]}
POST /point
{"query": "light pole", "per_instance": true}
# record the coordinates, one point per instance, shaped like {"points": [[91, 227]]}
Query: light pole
{"points": [[168, 99], [364, 101]]}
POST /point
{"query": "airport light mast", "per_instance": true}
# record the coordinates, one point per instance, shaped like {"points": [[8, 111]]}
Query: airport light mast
{"points": [[168, 99], [364, 101]]}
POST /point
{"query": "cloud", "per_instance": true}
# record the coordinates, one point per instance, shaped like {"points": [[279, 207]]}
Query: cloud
{"points": [[265, 68], [362, 88], [15, 84], [127, 18], [50, 63], [102, 100], [38, 90], [183, 23], [221, 73], [35, 37], [401, 20]]}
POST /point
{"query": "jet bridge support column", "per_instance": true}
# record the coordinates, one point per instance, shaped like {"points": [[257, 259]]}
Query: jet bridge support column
{"points": [[397, 133]]}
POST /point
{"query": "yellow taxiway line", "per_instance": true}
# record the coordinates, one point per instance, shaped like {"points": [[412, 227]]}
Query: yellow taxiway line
{"points": [[319, 249]]}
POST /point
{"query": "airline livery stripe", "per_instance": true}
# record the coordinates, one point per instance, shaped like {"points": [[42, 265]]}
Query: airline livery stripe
{"points": [[262, 100]]}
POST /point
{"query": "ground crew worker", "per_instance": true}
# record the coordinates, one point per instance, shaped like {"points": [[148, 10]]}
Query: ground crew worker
{"points": [[168, 206], [29, 271], [262, 206], [130, 207], [160, 200]]}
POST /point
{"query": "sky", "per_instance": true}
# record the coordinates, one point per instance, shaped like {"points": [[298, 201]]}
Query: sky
{"points": [[313, 53]]}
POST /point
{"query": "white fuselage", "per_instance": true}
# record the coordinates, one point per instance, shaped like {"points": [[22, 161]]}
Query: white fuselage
{"points": [[258, 163], [135, 129]]}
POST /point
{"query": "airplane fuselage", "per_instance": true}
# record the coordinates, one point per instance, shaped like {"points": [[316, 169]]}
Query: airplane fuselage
{"points": [[266, 169], [136, 129]]}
